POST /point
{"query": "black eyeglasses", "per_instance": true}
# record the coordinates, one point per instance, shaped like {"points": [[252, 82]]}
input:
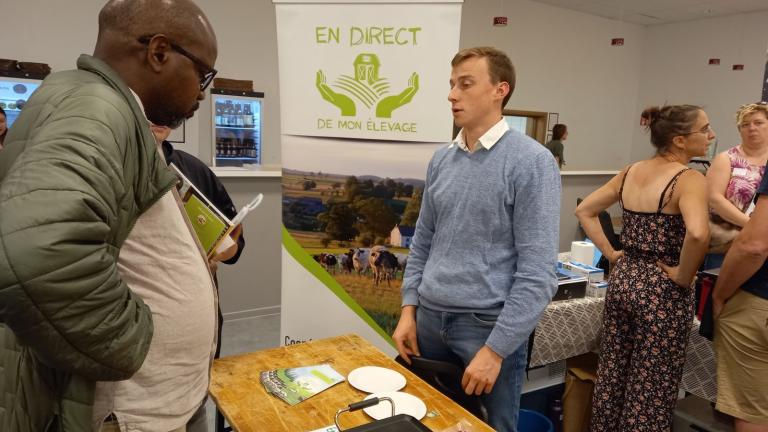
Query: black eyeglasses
{"points": [[206, 77]]}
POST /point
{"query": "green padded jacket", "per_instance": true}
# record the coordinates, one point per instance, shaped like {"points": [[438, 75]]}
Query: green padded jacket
{"points": [[79, 167]]}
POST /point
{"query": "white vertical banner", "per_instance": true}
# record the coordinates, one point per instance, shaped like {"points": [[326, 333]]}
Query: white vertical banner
{"points": [[371, 70], [363, 96]]}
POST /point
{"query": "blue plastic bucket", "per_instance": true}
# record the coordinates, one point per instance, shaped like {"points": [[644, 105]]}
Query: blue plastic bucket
{"points": [[531, 421]]}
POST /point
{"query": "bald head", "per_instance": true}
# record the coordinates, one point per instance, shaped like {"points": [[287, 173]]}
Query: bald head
{"points": [[121, 22], [163, 50]]}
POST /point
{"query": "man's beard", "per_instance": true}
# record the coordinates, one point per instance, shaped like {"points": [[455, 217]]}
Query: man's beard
{"points": [[176, 123], [169, 118]]}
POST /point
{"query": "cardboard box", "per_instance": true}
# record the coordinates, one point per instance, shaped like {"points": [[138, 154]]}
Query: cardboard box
{"points": [[580, 379], [233, 84]]}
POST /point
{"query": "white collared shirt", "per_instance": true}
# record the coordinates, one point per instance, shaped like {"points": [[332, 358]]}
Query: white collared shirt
{"points": [[138, 101], [488, 140]]}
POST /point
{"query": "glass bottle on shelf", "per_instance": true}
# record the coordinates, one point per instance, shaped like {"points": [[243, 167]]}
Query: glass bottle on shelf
{"points": [[218, 113], [228, 111], [238, 115], [247, 116]]}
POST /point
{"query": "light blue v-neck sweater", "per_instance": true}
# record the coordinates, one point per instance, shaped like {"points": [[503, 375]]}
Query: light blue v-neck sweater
{"points": [[487, 236]]}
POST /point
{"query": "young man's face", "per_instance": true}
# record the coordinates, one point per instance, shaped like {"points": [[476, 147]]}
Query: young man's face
{"points": [[473, 97]]}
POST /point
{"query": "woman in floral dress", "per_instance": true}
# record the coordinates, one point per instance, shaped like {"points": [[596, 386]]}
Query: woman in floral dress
{"points": [[649, 305]]}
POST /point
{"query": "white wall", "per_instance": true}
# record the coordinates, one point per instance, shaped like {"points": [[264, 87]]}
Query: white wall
{"points": [[566, 64], [675, 71]]}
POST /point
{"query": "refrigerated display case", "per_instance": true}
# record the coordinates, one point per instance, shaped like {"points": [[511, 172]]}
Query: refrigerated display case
{"points": [[236, 127], [14, 93]]}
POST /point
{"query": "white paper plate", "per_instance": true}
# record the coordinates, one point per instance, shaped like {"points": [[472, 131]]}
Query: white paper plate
{"points": [[374, 379], [404, 404]]}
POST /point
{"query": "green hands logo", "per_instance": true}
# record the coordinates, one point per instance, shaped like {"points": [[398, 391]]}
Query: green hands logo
{"points": [[367, 88]]}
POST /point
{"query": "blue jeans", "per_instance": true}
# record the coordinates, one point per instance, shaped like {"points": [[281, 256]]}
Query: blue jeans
{"points": [[457, 337]]}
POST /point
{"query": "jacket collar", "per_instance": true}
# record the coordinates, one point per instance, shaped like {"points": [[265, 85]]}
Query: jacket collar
{"points": [[100, 68], [151, 166]]}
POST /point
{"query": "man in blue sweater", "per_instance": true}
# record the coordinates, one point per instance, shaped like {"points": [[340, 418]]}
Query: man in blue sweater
{"points": [[482, 262]]}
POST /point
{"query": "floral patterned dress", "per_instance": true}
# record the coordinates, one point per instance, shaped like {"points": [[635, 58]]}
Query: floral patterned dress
{"points": [[646, 323]]}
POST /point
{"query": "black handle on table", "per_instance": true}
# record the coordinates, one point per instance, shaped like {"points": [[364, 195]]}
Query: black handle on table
{"points": [[360, 405], [363, 404]]}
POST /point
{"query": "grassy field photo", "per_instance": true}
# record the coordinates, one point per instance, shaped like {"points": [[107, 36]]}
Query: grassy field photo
{"points": [[350, 218]]}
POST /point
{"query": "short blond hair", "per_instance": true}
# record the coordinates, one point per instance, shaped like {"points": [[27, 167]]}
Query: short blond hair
{"points": [[749, 109]]}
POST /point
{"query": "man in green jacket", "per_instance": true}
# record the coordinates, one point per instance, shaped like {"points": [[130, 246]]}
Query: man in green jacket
{"points": [[78, 170]]}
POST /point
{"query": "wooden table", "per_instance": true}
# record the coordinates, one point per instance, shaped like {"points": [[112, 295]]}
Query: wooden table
{"points": [[246, 405]]}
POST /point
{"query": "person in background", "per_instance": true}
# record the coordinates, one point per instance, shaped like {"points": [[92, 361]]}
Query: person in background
{"points": [[740, 309], [649, 304], [206, 181], [733, 178], [559, 134], [481, 267], [3, 127]]}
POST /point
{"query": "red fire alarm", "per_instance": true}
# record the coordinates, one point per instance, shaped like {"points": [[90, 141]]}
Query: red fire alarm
{"points": [[500, 21], [714, 61], [617, 42], [738, 67]]}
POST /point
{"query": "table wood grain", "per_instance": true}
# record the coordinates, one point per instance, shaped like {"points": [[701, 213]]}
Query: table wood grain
{"points": [[242, 399]]}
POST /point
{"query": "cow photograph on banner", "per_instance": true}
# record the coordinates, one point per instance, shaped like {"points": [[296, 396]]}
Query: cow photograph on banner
{"points": [[363, 108]]}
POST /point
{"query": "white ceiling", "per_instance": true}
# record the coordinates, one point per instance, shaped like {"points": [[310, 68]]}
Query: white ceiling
{"points": [[650, 12]]}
